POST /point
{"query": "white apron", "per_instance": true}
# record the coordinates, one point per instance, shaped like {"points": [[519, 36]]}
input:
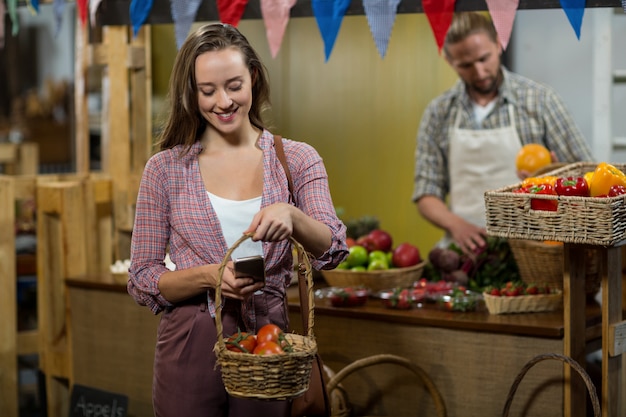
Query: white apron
{"points": [[480, 160]]}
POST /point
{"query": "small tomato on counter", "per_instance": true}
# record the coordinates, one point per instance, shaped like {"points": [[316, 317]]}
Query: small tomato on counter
{"points": [[543, 204], [398, 298], [344, 297], [605, 176], [572, 186]]}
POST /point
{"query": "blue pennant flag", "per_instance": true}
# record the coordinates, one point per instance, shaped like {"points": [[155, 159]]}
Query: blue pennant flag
{"points": [[381, 15], [58, 7], [184, 14], [574, 9], [34, 6], [329, 15], [139, 12]]}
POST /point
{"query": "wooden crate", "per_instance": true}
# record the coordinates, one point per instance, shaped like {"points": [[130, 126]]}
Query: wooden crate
{"points": [[81, 237]]}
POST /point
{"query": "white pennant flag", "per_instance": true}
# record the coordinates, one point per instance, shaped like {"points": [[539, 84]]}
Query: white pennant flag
{"points": [[503, 13], [275, 16], [183, 14], [381, 15]]}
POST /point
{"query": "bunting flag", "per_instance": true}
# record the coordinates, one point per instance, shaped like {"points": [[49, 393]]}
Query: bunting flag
{"points": [[574, 9], [183, 14], [2, 12], [275, 16], [503, 14], [139, 12], [82, 11], [329, 15], [230, 11], [93, 9], [15, 24], [439, 14], [381, 15], [58, 7], [33, 6]]}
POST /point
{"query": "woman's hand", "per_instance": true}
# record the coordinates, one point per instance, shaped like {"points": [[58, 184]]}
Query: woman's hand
{"points": [[238, 288], [273, 223]]}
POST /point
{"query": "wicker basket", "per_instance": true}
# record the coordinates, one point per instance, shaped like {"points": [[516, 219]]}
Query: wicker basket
{"points": [[273, 377], [375, 280], [523, 303], [542, 263], [585, 220], [591, 389]]}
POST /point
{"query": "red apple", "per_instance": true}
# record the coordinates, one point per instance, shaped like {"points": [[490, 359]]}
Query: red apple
{"points": [[366, 242], [350, 242], [405, 255], [381, 239]]}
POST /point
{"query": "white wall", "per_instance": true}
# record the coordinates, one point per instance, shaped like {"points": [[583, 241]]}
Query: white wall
{"points": [[545, 48], [53, 52]]}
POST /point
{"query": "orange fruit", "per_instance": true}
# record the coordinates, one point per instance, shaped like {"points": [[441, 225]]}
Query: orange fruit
{"points": [[532, 157]]}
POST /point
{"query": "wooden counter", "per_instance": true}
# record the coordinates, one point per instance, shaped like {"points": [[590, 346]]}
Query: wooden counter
{"points": [[112, 341], [472, 358]]}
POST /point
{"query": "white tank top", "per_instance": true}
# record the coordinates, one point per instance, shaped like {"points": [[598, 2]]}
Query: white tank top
{"points": [[235, 217]]}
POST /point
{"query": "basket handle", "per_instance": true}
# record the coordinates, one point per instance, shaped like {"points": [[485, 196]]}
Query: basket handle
{"points": [[305, 273], [566, 359], [398, 360]]}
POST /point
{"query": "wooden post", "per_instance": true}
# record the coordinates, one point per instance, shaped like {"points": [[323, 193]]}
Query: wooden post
{"points": [[8, 301], [61, 237]]}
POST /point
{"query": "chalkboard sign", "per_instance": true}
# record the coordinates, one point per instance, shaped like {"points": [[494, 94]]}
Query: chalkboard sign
{"points": [[92, 402]]}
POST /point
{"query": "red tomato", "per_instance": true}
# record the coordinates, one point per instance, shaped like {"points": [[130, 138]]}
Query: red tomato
{"points": [[268, 348], [269, 333], [241, 342]]}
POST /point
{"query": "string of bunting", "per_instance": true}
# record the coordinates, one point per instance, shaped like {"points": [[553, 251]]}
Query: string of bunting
{"points": [[380, 14]]}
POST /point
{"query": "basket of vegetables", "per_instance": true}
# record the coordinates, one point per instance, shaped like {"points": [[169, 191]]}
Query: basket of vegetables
{"points": [[279, 370], [490, 265], [582, 203]]}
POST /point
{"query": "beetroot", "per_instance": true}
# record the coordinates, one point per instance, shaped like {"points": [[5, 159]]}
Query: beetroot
{"points": [[446, 260]]}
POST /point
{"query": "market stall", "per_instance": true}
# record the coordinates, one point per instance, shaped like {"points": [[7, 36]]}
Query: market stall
{"points": [[514, 338]]}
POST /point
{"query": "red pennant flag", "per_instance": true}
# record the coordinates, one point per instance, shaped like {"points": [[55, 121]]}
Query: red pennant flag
{"points": [[82, 11], [439, 14], [230, 11]]}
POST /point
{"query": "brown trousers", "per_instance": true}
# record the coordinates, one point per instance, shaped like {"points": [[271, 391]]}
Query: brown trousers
{"points": [[186, 382]]}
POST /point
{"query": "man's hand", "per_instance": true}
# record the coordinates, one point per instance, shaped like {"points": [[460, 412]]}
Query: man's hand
{"points": [[467, 235]]}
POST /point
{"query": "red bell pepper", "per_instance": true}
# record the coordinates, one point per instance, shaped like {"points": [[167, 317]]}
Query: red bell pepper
{"points": [[543, 204], [572, 186]]}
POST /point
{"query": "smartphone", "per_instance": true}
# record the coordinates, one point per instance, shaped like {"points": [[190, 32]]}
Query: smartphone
{"points": [[250, 266]]}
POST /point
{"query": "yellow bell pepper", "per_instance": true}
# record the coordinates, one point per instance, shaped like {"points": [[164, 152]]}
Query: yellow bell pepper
{"points": [[588, 176], [531, 181], [604, 177]]}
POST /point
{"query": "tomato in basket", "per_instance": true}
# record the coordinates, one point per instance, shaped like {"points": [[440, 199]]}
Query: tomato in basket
{"points": [[268, 348], [241, 342]]}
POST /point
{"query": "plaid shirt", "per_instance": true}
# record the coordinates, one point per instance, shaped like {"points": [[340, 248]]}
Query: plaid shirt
{"points": [[173, 208], [541, 117]]}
